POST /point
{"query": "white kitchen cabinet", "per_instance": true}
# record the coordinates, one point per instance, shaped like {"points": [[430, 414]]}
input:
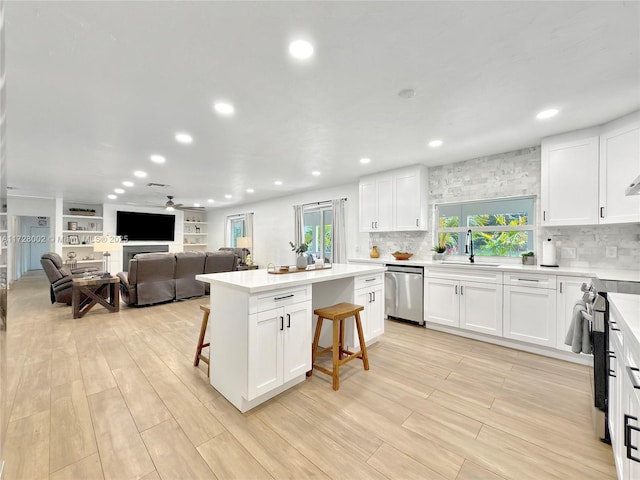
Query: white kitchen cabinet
{"points": [[394, 201], [472, 301], [410, 199], [616, 376], [569, 190], [279, 346], [368, 292], [568, 294], [631, 417], [441, 303], [375, 203], [619, 165], [481, 307], [530, 308], [585, 174]]}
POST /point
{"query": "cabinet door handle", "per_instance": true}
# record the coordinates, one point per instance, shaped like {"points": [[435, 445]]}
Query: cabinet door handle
{"points": [[461, 289], [374, 296], [369, 297], [627, 437], [281, 323], [601, 212], [634, 382], [282, 298], [288, 320], [371, 225], [612, 372], [612, 326], [417, 222], [376, 224], [561, 286], [544, 215], [456, 289], [528, 280], [370, 279]]}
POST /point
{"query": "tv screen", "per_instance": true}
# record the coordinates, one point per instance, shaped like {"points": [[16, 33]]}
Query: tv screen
{"points": [[134, 226]]}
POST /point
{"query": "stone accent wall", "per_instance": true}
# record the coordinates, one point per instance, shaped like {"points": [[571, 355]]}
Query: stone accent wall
{"points": [[512, 174]]}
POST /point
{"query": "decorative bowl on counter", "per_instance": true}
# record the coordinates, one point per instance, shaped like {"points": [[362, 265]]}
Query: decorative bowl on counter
{"points": [[402, 255]]}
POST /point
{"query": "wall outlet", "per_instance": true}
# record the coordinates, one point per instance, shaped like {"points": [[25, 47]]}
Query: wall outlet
{"points": [[568, 252], [611, 252]]}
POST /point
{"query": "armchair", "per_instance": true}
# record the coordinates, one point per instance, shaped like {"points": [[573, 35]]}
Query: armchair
{"points": [[60, 277]]}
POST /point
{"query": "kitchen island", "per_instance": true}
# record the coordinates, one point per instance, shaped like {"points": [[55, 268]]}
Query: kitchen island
{"points": [[260, 325]]}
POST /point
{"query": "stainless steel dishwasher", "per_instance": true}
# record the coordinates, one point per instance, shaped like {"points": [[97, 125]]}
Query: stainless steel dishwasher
{"points": [[404, 290]]}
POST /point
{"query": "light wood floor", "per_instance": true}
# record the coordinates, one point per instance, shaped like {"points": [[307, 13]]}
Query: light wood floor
{"points": [[116, 396]]}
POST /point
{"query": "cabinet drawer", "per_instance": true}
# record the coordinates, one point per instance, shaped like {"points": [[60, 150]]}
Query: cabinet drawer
{"points": [[364, 281], [279, 298], [531, 280], [468, 274]]}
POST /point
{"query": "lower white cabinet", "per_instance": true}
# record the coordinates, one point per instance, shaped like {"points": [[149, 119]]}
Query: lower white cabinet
{"points": [[279, 346], [472, 305], [368, 292], [624, 402], [530, 308], [568, 294]]}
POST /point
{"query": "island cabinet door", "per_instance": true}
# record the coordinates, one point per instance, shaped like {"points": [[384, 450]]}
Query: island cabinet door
{"points": [[265, 351], [297, 340]]}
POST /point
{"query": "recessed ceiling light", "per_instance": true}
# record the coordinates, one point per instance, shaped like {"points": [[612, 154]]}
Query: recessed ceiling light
{"points": [[552, 112], [277, 182], [301, 49], [250, 190], [224, 108], [407, 93], [158, 159], [140, 174], [315, 173], [184, 138], [196, 204], [118, 190], [365, 160], [227, 196], [127, 183], [211, 200], [112, 196], [435, 143]]}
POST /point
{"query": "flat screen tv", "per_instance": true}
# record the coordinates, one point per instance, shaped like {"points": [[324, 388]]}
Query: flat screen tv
{"points": [[134, 226]]}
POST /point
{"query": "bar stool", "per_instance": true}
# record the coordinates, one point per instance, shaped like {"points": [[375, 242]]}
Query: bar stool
{"points": [[201, 345], [338, 313]]}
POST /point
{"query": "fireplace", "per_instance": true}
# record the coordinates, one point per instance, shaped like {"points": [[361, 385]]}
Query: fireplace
{"points": [[129, 251]]}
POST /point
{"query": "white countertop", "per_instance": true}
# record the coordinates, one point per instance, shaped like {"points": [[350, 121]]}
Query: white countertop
{"points": [[604, 274], [254, 281], [628, 308]]}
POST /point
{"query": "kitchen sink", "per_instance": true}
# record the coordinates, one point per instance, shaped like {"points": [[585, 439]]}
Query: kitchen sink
{"points": [[469, 264]]}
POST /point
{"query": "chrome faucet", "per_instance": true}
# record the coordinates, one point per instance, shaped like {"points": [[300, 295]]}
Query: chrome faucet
{"points": [[468, 246]]}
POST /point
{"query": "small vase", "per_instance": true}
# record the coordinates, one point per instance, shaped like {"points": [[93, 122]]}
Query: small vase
{"points": [[438, 256], [301, 262], [374, 252]]}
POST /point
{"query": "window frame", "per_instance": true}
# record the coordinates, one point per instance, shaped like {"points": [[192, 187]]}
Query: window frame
{"points": [[531, 227], [231, 240], [322, 208]]}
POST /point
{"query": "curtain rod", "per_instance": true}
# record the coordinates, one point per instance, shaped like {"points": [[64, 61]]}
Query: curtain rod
{"points": [[326, 201]]}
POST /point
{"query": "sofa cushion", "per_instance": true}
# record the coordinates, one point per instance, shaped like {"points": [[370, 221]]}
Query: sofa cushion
{"points": [[188, 265], [154, 277]]}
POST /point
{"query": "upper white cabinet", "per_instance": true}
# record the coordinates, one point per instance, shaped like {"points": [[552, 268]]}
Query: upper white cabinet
{"points": [[570, 179], [393, 201], [585, 174], [619, 165]]}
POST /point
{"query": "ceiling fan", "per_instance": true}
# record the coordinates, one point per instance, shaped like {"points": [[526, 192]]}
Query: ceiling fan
{"points": [[170, 206]]}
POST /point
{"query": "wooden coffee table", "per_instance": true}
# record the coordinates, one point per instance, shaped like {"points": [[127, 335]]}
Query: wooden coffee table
{"points": [[93, 289]]}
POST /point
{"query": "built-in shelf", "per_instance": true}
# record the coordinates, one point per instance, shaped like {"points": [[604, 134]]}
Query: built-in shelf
{"points": [[83, 217], [195, 244], [82, 232]]}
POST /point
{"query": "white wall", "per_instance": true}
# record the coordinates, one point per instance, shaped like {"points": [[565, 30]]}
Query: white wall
{"points": [[273, 224]]}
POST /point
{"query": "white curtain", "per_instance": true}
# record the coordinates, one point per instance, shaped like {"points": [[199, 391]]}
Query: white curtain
{"points": [[339, 230], [248, 231], [298, 224]]}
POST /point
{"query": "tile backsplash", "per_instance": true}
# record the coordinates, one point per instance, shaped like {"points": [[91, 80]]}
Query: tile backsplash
{"points": [[509, 174]]}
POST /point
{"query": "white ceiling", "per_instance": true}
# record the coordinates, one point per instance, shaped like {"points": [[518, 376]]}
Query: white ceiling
{"points": [[94, 88]]}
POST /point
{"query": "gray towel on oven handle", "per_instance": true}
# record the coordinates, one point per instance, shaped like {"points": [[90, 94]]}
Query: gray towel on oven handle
{"points": [[579, 334]]}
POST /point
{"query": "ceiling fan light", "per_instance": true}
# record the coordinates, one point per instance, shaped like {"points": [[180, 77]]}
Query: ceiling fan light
{"points": [[169, 208]]}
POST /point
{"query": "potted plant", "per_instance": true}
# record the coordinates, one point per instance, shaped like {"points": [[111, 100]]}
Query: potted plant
{"points": [[438, 252], [301, 261], [528, 258]]}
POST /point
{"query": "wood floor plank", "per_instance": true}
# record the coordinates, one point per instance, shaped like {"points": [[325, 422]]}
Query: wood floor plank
{"points": [[27, 447], [72, 436], [173, 454], [96, 373], [65, 369], [144, 403], [229, 460], [34, 391], [472, 471], [274, 453], [89, 468], [392, 463], [317, 447], [121, 448]]}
